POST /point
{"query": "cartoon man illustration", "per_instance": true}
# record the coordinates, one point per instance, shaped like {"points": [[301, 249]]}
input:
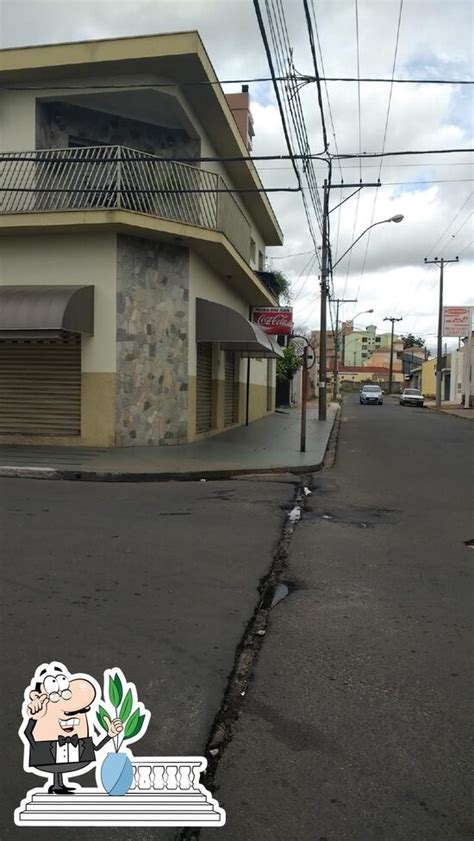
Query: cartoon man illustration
{"points": [[57, 731]]}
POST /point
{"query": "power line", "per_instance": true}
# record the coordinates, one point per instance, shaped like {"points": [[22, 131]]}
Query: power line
{"points": [[303, 77], [310, 267], [387, 118], [431, 250], [318, 40], [356, 9], [266, 45], [309, 26], [285, 256]]}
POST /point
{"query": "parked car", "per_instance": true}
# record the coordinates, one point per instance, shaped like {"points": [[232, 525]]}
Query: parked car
{"points": [[371, 394], [411, 397]]}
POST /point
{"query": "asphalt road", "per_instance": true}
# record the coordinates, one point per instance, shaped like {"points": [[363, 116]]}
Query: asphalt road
{"points": [[159, 579], [358, 724]]}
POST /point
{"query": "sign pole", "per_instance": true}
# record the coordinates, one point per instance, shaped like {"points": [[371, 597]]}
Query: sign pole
{"points": [[304, 391]]}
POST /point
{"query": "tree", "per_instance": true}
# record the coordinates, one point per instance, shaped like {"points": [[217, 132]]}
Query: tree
{"points": [[288, 366], [410, 341]]}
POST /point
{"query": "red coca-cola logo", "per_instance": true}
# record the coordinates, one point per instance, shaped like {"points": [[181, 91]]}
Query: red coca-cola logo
{"points": [[277, 322]]}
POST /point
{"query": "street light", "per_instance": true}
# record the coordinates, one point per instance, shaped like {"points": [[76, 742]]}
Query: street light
{"points": [[397, 218]]}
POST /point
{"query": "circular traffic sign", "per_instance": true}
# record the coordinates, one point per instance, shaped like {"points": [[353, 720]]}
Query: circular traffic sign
{"points": [[298, 344]]}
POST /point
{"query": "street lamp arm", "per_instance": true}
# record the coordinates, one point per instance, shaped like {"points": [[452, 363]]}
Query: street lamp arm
{"points": [[397, 218]]}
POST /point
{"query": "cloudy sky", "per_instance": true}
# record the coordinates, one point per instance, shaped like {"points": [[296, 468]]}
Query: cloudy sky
{"points": [[434, 193]]}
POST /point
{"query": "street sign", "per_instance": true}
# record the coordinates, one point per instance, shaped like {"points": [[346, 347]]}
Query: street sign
{"points": [[298, 343], [456, 321]]}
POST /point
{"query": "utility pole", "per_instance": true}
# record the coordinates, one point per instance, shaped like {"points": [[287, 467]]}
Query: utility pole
{"points": [[390, 374], [325, 262], [336, 343], [441, 263], [322, 395]]}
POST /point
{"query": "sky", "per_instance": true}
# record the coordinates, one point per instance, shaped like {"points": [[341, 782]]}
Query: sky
{"points": [[385, 271]]}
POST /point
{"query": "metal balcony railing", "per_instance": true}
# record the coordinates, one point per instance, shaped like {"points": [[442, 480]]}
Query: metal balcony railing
{"points": [[115, 177]]}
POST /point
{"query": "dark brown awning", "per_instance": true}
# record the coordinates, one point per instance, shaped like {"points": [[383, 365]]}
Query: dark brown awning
{"points": [[45, 311], [217, 323]]}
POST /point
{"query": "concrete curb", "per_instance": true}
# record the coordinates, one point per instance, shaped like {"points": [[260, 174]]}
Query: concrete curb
{"points": [[163, 476], [450, 414], [29, 473]]}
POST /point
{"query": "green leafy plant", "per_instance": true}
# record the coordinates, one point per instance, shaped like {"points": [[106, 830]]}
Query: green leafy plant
{"points": [[283, 286], [289, 364], [121, 698]]}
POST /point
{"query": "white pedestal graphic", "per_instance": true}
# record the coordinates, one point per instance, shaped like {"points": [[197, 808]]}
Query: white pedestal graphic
{"points": [[166, 792]]}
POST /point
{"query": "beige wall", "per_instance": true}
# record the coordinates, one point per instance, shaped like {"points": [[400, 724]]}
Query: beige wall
{"points": [[78, 259], [208, 151], [18, 118], [207, 284], [17, 121], [70, 259]]}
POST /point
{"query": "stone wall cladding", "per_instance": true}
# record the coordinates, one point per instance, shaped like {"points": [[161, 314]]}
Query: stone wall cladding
{"points": [[152, 342], [58, 122]]}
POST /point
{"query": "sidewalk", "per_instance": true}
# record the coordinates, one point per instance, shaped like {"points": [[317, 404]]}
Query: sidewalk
{"points": [[451, 409], [265, 446]]}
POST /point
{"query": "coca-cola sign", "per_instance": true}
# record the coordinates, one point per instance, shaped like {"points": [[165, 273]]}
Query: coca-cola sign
{"points": [[277, 321]]}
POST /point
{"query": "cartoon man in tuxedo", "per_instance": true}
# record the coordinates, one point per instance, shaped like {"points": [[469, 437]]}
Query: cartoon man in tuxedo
{"points": [[56, 735]]}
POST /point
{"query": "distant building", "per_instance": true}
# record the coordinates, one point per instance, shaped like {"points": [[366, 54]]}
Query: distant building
{"points": [[359, 345]]}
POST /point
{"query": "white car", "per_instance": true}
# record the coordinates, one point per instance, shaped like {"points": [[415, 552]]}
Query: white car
{"points": [[412, 397], [371, 394]]}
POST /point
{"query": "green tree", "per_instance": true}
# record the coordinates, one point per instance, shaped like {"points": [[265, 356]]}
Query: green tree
{"points": [[288, 366], [410, 341]]}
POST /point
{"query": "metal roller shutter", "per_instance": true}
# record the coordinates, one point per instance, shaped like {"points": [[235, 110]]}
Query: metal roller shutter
{"points": [[229, 399], [40, 387], [204, 387]]}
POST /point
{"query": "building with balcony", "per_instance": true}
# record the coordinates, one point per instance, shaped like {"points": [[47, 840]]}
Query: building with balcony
{"points": [[128, 267], [359, 345]]}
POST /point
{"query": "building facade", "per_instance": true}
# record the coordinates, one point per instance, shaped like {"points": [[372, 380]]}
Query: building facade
{"points": [[128, 269], [359, 345]]}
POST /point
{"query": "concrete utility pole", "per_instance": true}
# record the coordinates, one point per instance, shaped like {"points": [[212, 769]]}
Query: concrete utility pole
{"points": [[390, 374], [441, 263], [322, 395], [325, 263], [336, 343]]}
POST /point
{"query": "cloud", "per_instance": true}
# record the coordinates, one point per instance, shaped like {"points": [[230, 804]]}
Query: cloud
{"points": [[395, 281]]}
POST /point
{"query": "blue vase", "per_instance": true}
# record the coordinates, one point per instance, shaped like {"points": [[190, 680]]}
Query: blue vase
{"points": [[116, 773]]}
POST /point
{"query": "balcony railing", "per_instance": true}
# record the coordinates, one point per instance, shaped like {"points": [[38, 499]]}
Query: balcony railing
{"points": [[114, 177]]}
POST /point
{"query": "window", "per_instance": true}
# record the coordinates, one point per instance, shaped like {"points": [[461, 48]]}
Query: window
{"points": [[261, 261], [364, 339], [252, 250]]}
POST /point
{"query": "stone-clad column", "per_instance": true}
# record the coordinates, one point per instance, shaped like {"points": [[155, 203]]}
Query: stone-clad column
{"points": [[152, 342]]}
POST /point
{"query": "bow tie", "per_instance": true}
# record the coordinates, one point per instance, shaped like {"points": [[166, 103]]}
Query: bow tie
{"points": [[74, 740]]}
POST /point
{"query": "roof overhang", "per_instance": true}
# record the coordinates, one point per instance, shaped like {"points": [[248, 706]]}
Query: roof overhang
{"points": [[33, 312], [217, 323], [177, 56]]}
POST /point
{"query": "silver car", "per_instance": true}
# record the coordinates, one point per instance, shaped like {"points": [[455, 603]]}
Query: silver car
{"points": [[412, 397], [371, 394]]}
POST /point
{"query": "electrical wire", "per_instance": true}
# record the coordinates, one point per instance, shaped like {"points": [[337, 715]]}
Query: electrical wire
{"points": [[266, 45], [318, 40], [306, 78], [387, 118], [349, 262], [440, 239], [309, 268]]}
